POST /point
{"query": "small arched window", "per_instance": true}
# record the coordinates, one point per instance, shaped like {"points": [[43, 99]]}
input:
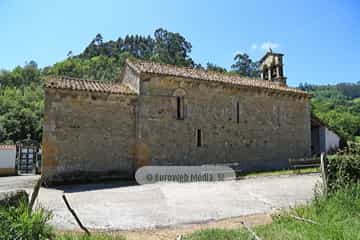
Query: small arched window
{"points": [[179, 95]]}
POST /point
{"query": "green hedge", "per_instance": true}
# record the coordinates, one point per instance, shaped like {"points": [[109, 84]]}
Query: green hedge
{"points": [[344, 168]]}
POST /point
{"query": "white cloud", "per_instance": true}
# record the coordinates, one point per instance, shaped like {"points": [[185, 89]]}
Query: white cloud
{"points": [[260, 47], [268, 44]]}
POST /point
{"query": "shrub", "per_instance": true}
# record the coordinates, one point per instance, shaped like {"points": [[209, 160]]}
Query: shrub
{"points": [[18, 222], [344, 169]]}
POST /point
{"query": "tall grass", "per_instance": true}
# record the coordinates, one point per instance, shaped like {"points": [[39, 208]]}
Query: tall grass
{"points": [[336, 216], [19, 223]]}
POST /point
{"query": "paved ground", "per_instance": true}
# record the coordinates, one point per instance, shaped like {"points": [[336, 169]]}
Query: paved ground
{"points": [[117, 207]]}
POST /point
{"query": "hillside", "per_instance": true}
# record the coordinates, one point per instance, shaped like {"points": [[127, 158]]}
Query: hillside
{"points": [[338, 106]]}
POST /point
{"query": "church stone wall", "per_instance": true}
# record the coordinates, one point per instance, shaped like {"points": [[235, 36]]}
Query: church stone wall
{"points": [[87, 135], [268, 130], [130, 78]]}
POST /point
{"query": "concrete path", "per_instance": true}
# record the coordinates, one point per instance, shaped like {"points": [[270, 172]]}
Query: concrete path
{"points": [[116, 207]]}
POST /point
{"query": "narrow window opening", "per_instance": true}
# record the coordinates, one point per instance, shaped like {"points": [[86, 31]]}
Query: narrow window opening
{"points": [[237, 112], [178, 101], [180, 108], [199, 138], [278, 116], [265, 74]]}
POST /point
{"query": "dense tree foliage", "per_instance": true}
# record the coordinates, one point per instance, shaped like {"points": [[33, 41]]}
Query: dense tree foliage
{"points": [[215, 68], [171, 48], [338, 106], [21, 103], [244, 66], [20, 76], [164, 47], [97, 67]]}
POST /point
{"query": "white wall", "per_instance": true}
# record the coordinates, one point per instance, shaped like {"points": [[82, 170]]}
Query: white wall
{"points": [[7, 158], [332, 140]]}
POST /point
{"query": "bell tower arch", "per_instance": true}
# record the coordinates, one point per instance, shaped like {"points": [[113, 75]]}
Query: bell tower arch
{"points": [[271, 65]]}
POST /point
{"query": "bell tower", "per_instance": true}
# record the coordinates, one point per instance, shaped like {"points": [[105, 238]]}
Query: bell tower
{"points": [[271, 65]]}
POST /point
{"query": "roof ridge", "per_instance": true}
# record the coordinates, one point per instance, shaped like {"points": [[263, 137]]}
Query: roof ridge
{"points": [[202, 74], [191, 68], [79, 84], [7, 146]]}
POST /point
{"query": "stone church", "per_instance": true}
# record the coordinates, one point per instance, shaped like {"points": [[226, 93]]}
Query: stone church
{"points": [[156, 114]]}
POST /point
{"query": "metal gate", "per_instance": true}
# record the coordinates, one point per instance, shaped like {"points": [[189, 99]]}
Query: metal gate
{"points": [[27, 156]]}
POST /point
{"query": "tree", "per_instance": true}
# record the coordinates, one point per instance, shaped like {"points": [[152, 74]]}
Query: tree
{"points": [[21, 76], [171, 48], [94, 48], [215, 68], [351, 90], [21, 113], [244, 66], [138, 46], [70, 54]]}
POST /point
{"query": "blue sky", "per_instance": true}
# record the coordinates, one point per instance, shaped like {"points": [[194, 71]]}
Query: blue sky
{"points": [[320, 39]]}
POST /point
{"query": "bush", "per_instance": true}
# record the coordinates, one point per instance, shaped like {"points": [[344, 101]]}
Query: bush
{"points": [[18, 222], [344, 168]]}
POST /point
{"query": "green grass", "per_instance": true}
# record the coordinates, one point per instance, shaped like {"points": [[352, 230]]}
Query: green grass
{"points": [[98, 236], [357, 139], [282, 172], [356, 100], [18, 222], [218, 234], [338, 217]]}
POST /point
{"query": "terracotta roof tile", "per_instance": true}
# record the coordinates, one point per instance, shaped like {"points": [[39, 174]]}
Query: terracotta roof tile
{"points": [[88, 85], [7, 147], [199, 74]]}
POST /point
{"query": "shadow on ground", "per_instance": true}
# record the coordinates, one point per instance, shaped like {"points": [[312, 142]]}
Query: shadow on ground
{"points": [[84, 187]]}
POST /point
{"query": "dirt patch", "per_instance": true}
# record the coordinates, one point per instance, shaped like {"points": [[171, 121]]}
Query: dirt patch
{"points": [[172, 233]]}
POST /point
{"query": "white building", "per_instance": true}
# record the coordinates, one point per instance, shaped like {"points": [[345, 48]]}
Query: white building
{"points": [[7, 160], [323, 139]]}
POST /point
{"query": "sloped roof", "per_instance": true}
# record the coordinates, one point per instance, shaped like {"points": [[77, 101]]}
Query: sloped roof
{"points": [[7, 147], [88, 85], [317, 122], [199, 74]]}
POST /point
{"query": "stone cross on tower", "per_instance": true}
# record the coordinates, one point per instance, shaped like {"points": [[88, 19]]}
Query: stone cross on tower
{"points": [[271, 65]]}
